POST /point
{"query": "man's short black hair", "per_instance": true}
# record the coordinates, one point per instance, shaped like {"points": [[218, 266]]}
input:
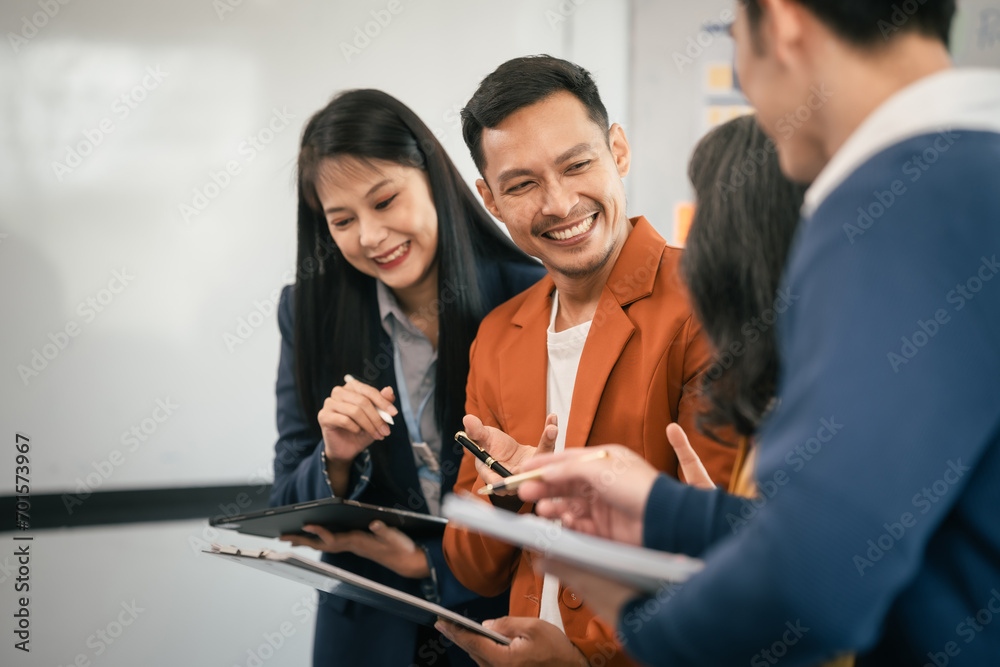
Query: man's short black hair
{"points": [[869, 23], [519, 83]]}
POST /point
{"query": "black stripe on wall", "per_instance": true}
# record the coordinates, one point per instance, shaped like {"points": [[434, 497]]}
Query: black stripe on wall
{"points": [[59, 510]]}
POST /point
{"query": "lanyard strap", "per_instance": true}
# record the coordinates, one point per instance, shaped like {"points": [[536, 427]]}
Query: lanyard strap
{"points": [[412, 421]]}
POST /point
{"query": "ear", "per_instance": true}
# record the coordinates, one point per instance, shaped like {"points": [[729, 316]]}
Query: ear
{"points": [[487, 196], [784, 23], [620, 150]]}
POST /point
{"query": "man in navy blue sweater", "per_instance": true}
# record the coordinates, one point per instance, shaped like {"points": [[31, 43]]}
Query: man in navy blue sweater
{"points": [[877, 527]]}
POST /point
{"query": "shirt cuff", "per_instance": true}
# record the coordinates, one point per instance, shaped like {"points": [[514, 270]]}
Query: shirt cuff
{"points": [[361, 470], [679, 518], [429, 584]]}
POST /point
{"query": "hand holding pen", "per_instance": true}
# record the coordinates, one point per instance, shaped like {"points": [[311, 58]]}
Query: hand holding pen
{"points": [[505, 450], [353, 416]]}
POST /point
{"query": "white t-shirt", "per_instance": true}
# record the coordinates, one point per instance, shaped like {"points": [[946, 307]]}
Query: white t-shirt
{"points": [[565, 349]]}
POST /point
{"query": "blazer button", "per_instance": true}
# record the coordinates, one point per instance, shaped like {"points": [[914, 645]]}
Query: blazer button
{"points": [[571, 599]]}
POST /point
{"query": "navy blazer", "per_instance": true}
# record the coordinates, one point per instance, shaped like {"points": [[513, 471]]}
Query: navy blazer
{"points": [[349, 633]]}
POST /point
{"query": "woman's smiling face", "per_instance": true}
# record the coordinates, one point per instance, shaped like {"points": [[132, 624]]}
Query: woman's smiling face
{"points": [[382, 217]]}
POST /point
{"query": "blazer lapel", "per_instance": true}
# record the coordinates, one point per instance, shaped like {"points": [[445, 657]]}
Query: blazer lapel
{"points": [[631, 279], [524, 368], [608, 336]]}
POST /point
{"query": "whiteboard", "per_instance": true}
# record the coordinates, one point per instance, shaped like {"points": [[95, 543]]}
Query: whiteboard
{"points": [[147, 208]]}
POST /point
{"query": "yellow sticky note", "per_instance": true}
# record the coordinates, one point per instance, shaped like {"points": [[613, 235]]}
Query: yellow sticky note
{"points": [[720, 78]]}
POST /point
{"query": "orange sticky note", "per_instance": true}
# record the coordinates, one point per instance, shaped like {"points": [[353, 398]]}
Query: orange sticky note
{"points": [[683, 214]]}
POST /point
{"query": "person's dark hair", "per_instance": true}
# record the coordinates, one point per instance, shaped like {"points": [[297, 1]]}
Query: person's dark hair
{"points": [[868, 23], [336, 326], [745, 217], [522, 82]]}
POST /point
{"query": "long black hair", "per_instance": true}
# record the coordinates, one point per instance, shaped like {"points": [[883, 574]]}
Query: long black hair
{"points": [[744, 221], [336, 325]]}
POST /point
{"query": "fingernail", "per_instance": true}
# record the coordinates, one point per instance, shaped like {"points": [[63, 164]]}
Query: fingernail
{"points": [[384, 431], [376, 525], [439, 626], [488, 624]]}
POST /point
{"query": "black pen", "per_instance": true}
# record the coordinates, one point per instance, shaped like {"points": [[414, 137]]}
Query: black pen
{"points": [[463, 438]]}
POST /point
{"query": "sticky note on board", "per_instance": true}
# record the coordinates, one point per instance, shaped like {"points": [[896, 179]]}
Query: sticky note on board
{"points": [[719, 78]]}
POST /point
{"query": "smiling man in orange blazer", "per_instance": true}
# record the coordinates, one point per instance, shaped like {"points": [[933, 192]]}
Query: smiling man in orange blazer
{"points": [[607, 340]]}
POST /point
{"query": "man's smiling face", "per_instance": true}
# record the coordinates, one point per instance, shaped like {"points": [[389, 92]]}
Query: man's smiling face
{"points": [[554, 178]]}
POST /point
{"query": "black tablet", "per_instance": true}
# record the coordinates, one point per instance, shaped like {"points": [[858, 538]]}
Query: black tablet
{"points": [[335, 514]]}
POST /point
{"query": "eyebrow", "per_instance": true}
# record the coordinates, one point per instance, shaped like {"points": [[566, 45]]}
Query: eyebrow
{"points": [[566, 155], [573, 152], [371, 191]]}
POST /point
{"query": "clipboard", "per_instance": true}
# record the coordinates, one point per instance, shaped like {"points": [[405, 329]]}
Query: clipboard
{"points": [[335, 514], [647, 570], [337, 581]]}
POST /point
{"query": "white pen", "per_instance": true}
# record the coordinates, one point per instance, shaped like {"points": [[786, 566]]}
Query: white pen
{"points": [[386, 417]]}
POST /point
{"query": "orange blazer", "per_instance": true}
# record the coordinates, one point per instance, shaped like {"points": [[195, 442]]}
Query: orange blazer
{"points": [[638, 372]]}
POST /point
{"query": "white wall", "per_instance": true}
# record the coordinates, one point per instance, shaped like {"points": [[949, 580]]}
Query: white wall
{"points": [[145, 596], [172, 332]]}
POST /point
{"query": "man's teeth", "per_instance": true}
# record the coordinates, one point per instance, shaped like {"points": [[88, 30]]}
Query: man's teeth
{"points": [[574, 231], [397, 253]]}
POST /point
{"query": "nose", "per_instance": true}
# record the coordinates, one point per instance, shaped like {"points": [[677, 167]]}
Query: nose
{"points": [[559, 200], [372, 233]]}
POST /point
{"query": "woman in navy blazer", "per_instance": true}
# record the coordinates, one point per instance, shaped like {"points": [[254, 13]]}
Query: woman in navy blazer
{"points": [[397, 265]]}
